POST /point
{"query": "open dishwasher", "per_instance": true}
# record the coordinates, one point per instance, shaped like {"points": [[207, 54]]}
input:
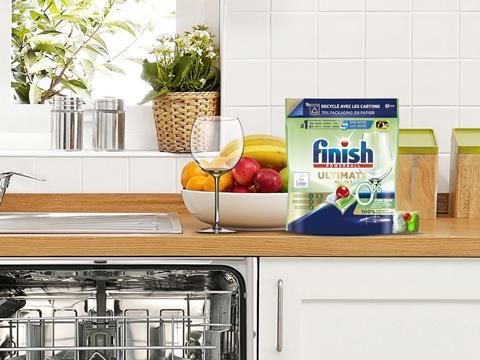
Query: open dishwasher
{"points": [[122, 310]]}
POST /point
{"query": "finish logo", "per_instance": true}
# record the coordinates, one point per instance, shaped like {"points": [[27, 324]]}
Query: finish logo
{"points": [[344, 157]]}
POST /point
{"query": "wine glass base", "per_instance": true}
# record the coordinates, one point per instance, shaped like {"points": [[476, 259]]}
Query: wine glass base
{"points": [[216, 231]]}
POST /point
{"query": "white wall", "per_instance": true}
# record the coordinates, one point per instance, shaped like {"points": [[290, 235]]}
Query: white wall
{"points": [[425, 52]]}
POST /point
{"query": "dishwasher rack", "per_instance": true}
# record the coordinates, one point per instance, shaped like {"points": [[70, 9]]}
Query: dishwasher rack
{"points": [[170, 334]]}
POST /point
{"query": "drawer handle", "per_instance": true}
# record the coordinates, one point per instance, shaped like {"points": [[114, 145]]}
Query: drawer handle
{"points": [[280, 316]]}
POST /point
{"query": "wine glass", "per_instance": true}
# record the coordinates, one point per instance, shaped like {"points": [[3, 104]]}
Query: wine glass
{"points": [[210, 135], [383, 166]]}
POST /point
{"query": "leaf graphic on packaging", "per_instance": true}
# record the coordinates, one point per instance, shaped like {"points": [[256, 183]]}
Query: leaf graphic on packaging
{"points": [[343, 204]]}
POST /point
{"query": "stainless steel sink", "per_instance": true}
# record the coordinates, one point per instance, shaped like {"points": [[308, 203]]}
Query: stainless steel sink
{"points": [[90, 223]]}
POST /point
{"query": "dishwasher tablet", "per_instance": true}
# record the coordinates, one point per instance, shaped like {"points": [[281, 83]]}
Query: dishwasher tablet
{"points": [[342, 156]]}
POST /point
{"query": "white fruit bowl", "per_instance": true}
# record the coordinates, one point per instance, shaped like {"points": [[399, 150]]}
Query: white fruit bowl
{"points": [[240, 211]]}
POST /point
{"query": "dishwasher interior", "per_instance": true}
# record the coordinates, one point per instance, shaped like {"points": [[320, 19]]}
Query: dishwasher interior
{"points": [[134, 313]]}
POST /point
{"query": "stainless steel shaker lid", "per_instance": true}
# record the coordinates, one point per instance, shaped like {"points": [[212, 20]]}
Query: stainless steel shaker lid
{"points": [[108, 104], [60, 102]]}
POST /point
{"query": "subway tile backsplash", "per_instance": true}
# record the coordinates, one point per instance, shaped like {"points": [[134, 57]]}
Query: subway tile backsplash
{"points": [[61, 174], [293, 35], [388, 35], [109, 173], [425, 52]]}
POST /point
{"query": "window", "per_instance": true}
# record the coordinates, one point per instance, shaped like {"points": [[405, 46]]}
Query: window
{"points": [[27, 127], [91, 48]]}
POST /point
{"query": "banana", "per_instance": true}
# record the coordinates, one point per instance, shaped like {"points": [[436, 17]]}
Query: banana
{"points": [[268, 156], [251, 140], [255, 139]]}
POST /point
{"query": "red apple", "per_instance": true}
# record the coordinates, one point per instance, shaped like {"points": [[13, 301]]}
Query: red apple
{"points": [[240, 189], [268, 181], [245, 171]]}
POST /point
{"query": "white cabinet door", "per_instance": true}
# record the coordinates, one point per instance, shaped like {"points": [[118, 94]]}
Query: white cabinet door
{"points": [[369, 309]]}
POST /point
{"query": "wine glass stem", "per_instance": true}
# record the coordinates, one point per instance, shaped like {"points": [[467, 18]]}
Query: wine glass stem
{"points": [[216, 224]]}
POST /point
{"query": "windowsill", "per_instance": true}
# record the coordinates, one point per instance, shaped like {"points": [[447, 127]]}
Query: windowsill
{"points": [[89, 153]]}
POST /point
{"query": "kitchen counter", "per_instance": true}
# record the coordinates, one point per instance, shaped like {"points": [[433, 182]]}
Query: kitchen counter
{"points": [[438, 238]]}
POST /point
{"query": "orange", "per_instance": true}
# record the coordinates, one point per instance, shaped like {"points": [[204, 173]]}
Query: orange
{"points": [[196, 183], [225, 184], [190, 170]]}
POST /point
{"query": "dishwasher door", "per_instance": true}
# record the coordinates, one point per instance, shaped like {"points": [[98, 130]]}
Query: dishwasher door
{"points": [[127, 308]]}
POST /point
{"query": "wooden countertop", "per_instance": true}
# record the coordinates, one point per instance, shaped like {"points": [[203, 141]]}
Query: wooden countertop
{"points": [[444, 237]]}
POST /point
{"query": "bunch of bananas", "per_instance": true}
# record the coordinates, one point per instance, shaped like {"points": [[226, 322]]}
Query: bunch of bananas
{"points": [[270, 151]]}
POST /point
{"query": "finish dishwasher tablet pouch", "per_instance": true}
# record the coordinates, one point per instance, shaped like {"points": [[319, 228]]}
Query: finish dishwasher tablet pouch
{"points": [[342, 156]]}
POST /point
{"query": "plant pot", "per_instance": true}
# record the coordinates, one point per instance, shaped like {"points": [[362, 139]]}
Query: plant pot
{"points": [[174, 114]]}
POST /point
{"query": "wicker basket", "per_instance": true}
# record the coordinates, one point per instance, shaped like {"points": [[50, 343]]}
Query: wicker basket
{"points": [[174, 114]]}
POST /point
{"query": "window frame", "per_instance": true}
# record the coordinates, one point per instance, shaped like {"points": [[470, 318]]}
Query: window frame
{"points": [[190, 12]]}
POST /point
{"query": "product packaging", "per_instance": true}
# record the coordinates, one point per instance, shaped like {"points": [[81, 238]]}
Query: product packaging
{"points": [[342, 156]]}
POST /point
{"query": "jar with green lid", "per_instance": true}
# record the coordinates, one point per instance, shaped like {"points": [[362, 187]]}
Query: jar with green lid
{"points": [[465, 173], [417, 174]]}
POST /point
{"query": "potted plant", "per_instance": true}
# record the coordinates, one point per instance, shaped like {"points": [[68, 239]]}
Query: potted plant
{"points": [[185, 78]]}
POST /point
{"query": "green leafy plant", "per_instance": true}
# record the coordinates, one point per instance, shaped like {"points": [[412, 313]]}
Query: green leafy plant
{"points": [[182, 63], [57, 45]]}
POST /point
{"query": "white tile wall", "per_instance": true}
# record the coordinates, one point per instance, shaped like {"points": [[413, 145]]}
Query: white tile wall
{"points": [[340, 35], [341, 78], [293, 78], [435, 82], [469, 35], [437, 118], [278, 121], [388, 5], [425, 52], [398, 73], [435, 5], [435, 35], [388, 35], [469, 5], [340, 5], [152, 175], [250, 83], [255, 120], [405, 117], [252, 26], [470, 117], [61, 174], [469, 80], [109, 173], [293, 35], [101, 176], [297, 5]]}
